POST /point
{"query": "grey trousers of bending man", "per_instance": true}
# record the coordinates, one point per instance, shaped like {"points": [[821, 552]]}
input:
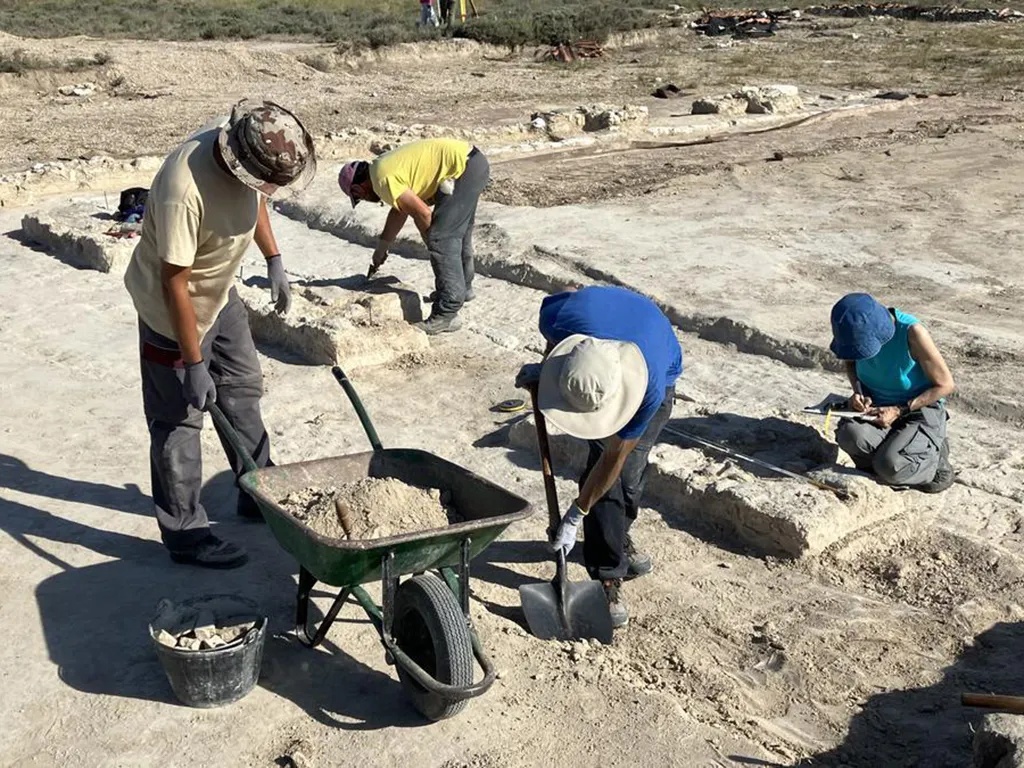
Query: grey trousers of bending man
{"points": [[175, 427], [450, 237], [906, 453]]}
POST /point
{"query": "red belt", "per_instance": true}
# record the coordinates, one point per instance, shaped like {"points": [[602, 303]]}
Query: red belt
{"points": [[170, 357]]}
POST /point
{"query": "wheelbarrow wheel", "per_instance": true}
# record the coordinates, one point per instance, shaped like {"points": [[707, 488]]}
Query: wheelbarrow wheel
{"points": [[430, 628]]}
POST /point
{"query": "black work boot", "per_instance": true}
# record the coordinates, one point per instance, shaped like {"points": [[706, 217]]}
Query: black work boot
{"points": [[945, 475], [436, 324], [211, 552], [640, 564], [620, 616]]}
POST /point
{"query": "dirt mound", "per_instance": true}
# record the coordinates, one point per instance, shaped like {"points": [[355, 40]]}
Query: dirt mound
{"points": [[936, 569], [377, 508]]}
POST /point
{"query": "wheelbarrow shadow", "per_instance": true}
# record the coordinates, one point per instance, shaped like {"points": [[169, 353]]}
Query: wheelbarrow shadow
{"points": [[334, 688]]}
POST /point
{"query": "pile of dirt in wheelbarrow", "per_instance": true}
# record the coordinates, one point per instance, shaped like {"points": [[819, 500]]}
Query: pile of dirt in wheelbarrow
{"points": [[370, 508]]}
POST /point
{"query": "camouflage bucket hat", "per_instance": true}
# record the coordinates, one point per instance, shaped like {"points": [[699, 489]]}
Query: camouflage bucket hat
{"points": [[267, 148]]}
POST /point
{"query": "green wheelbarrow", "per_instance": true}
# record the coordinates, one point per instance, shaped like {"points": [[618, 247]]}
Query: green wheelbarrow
{"points": [[424, 621]]}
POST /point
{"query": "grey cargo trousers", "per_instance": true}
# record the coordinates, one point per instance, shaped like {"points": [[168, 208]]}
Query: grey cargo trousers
{"points": [[450, 237], [907, 453], [175, 452]]}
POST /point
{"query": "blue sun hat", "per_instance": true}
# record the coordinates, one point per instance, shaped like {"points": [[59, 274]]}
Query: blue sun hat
{"points": [[860, 326]]}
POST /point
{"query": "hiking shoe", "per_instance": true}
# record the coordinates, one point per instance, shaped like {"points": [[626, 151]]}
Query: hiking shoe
{"points": [[945, 475], [436, 324], [640, 564], [620, 616], [211, 552]]}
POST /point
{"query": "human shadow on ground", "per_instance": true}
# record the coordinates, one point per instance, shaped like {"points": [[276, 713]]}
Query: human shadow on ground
{"points": [[16, 475], [19, 236], [928, 726], [95, 617]]}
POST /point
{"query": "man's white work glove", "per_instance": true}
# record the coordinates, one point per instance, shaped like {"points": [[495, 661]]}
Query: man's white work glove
{"points": [[565, 537], [380, 255]]}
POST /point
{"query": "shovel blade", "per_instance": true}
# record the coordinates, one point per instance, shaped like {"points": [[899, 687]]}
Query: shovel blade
{"points": [[585, 616]]}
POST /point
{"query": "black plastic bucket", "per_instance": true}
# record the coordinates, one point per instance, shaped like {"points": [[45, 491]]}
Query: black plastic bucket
{"points": [[213, 678]]}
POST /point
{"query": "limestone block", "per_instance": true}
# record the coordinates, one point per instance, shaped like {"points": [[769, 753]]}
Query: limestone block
{"points": [[366, 330], [74, 235]]}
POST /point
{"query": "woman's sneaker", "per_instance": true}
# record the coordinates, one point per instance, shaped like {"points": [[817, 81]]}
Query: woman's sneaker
{"points": [[620, 616]]}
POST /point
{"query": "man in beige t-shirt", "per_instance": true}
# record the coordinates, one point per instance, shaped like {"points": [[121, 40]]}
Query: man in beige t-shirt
{"points": [[206, 205]]}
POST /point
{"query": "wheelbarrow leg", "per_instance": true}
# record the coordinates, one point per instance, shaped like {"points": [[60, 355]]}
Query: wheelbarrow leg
{"points": [[306, 583], [459, 584]]}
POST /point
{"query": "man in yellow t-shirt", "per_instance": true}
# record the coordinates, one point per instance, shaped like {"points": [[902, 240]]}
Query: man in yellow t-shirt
{"points": [[206, 205], [447, 174]]}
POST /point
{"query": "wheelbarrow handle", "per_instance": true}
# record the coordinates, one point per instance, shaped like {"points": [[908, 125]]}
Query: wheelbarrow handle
{"points": [[357, 404], [231, 435]]}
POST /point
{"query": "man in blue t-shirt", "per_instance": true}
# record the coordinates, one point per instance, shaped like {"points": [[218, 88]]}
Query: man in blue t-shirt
{"points": [[608, 377]]}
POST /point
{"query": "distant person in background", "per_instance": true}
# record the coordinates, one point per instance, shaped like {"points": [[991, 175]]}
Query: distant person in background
{"points": [[427, 14], [898, 377], [445, 7]]}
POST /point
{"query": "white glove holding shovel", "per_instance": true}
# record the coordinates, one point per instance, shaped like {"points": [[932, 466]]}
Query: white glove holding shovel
{"points": [[565, 536]]}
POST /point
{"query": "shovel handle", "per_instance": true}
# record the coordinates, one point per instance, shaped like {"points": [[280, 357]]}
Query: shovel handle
{"points": [[1013, 704], [550, 490]]}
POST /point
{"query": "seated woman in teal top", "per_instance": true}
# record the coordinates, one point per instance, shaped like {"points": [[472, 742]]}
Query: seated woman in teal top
{"points": [[900, 379]]}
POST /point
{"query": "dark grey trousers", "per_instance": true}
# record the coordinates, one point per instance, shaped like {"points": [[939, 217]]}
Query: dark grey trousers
{"points": [[606, 526], [907, 453], [450, 237], [175, 452]]}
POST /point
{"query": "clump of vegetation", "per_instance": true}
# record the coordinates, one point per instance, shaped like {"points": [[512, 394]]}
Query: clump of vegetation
{"points": [[355, 23], [20, 61]]}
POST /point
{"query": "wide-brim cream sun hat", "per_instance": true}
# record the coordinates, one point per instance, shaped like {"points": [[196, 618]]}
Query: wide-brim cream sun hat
{"points": [[591, 388]]}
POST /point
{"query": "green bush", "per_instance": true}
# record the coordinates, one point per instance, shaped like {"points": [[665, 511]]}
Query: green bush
{"points": [[521, 25], [512, 23], [20, 61]]}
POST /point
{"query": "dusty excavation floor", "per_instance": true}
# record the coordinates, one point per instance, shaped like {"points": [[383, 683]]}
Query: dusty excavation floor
{"points": [[853, 654]]}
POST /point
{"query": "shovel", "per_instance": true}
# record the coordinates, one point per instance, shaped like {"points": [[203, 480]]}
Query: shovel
{"points": [[562, 609]]}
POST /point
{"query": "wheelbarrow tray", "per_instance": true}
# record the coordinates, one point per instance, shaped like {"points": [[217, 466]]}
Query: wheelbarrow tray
{"points": [[486, 509]]}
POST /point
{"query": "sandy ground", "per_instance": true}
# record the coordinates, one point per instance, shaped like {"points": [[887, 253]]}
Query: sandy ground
{"points": [[854, 657]]}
